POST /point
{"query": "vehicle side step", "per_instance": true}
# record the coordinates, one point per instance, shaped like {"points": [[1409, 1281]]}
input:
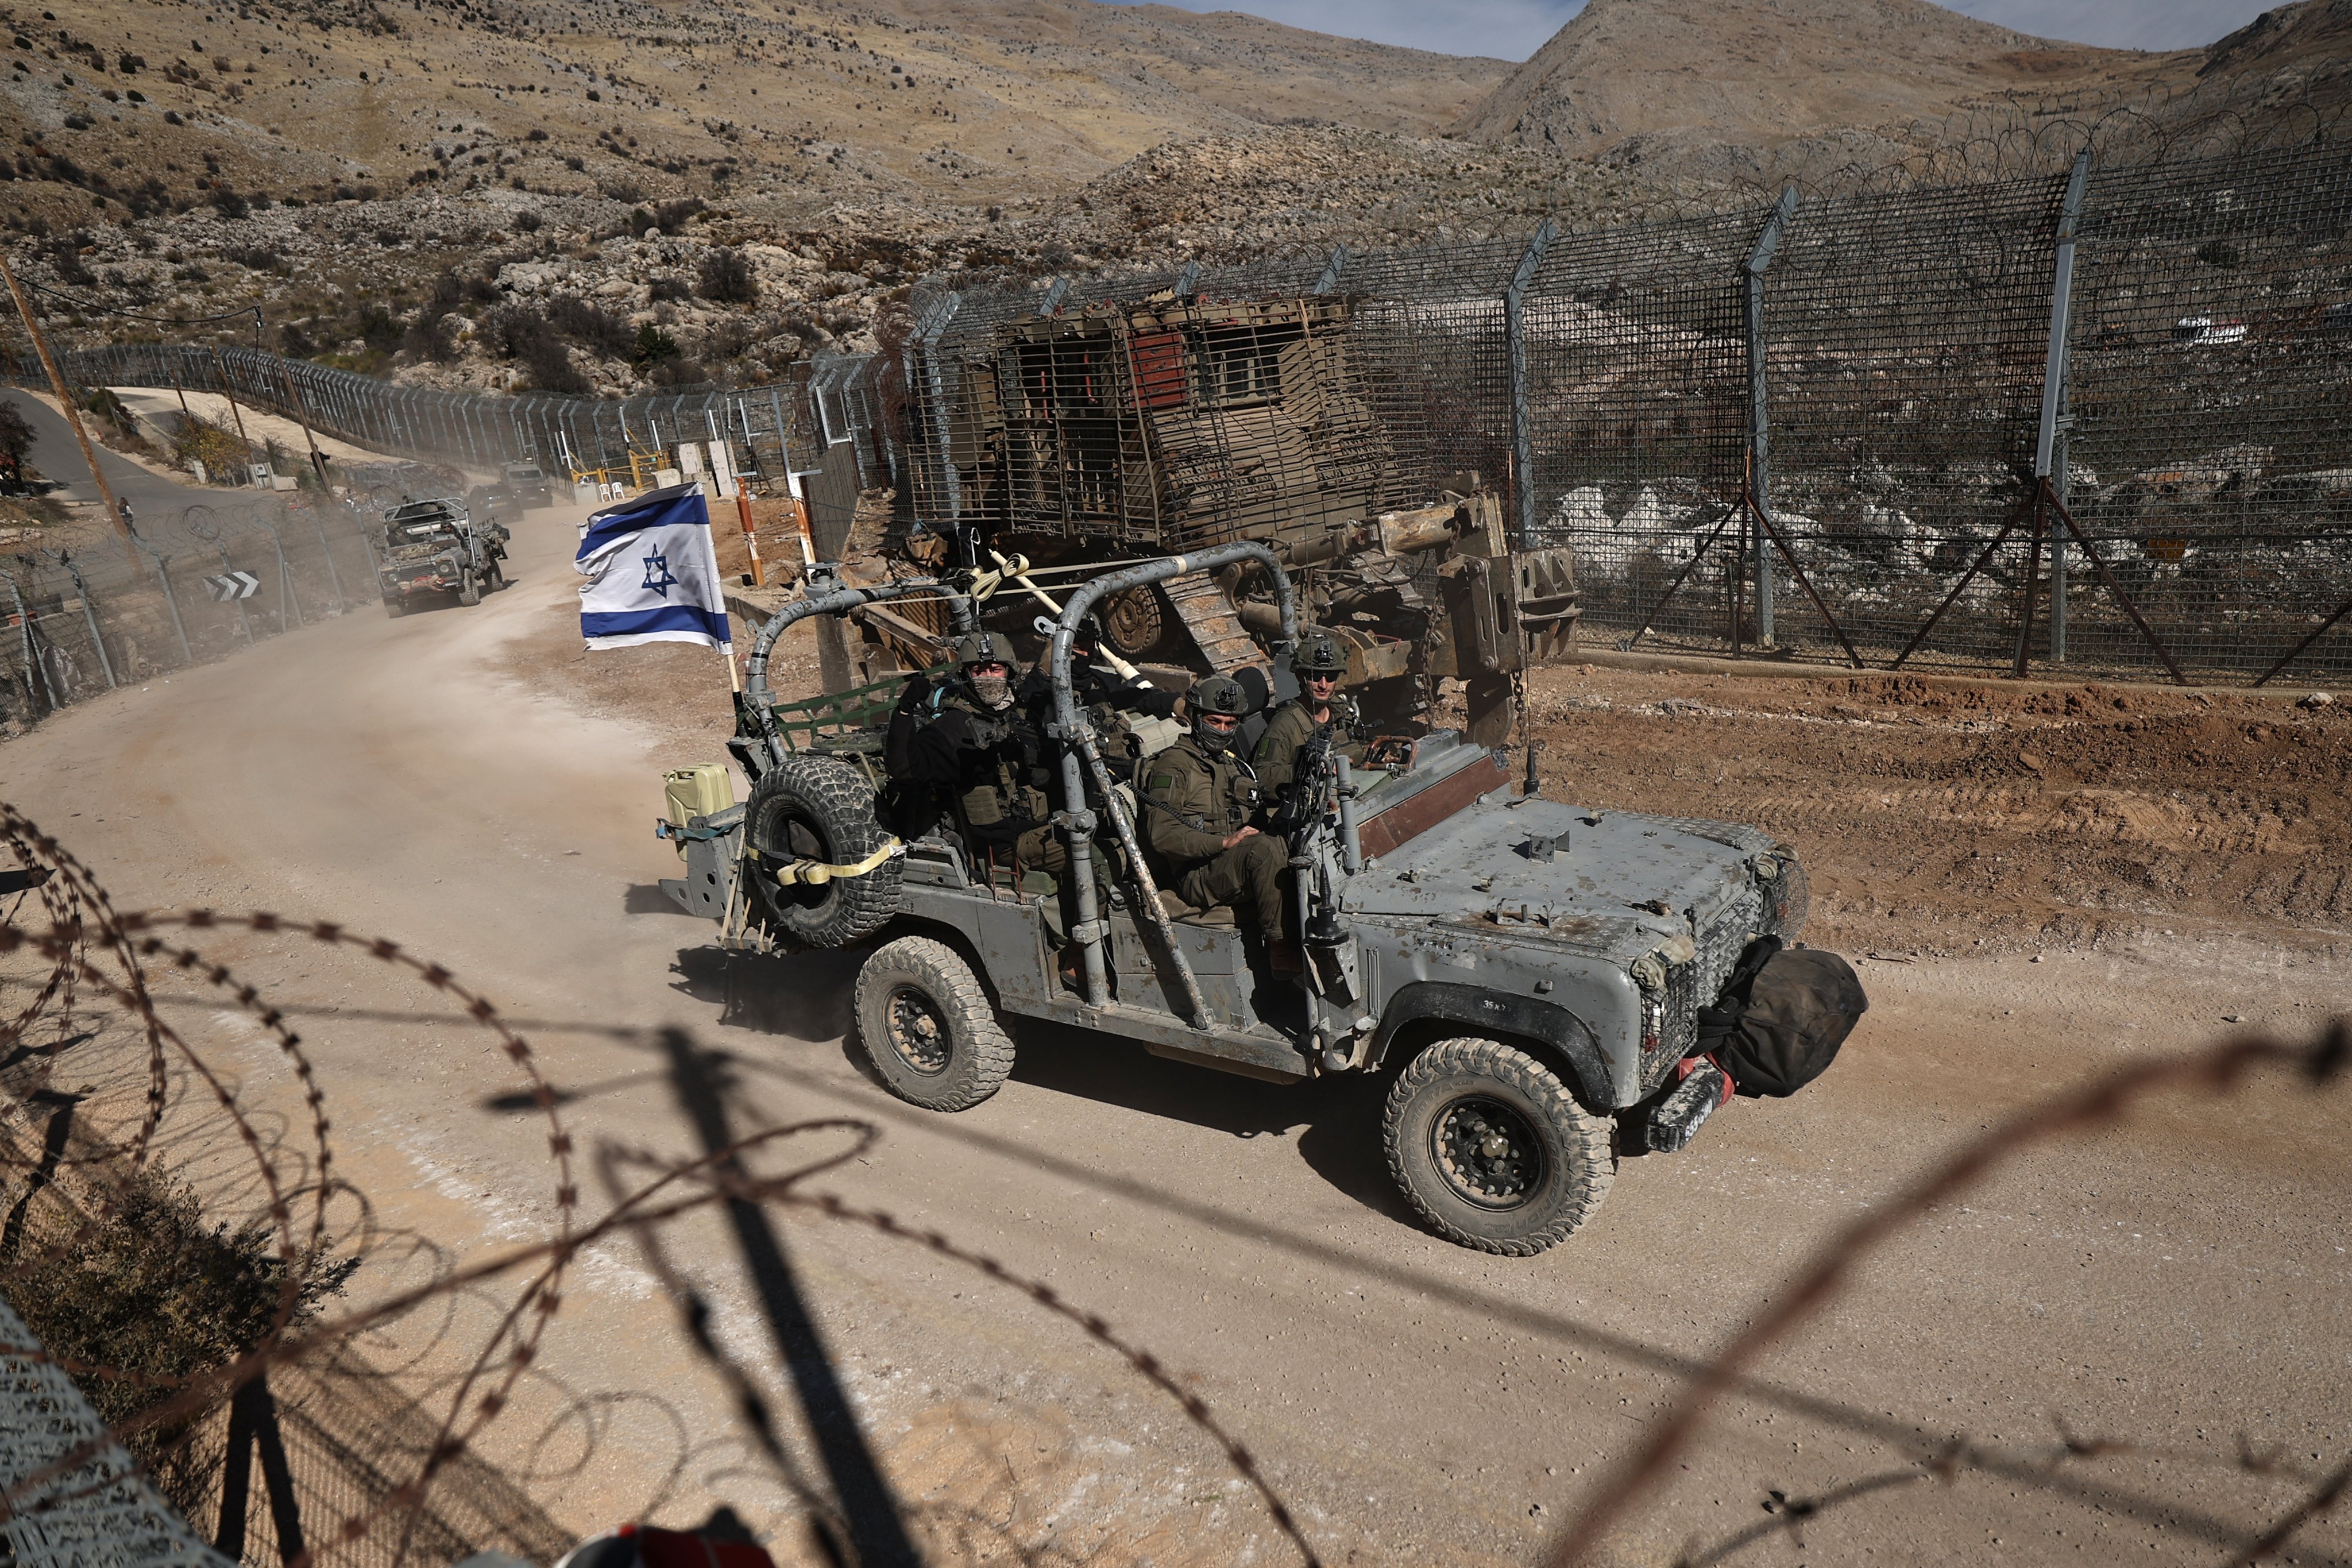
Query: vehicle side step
{"points": [[1209, 617]]}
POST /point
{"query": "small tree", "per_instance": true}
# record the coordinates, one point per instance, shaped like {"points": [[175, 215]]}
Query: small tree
{"points": [[726, 278], [199, 440], [654, 346], [15, 440]]}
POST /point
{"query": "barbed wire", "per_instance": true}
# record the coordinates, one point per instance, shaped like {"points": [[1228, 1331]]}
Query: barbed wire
{"points": [[2220, 1069], [85, 932], [80, 912]]}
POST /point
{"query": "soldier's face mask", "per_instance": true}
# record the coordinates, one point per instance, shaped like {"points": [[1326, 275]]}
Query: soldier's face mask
{"points": [[1216, 730], [990, 684]]}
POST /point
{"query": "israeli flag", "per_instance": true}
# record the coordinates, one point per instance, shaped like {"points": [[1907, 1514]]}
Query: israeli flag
{"points": [[653, 572]]}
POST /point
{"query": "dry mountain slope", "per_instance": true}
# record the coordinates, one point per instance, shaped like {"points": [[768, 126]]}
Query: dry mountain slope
{"points": [[1762, 71], [977, 103]]}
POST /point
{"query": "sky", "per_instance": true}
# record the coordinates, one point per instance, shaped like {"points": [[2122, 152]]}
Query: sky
{"points": [[1514, 29]]}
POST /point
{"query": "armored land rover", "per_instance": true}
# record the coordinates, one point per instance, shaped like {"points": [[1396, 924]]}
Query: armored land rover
{"points": [[439, 547], [1526, 974]]}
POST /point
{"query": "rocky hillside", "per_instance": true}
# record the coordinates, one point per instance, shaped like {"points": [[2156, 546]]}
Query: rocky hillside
{"points": [[1748, 85], [1767, 70], [506, 193]]}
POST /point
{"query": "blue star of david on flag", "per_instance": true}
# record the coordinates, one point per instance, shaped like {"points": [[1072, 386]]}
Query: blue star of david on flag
{"points": [[658, 575], [674, 596]]}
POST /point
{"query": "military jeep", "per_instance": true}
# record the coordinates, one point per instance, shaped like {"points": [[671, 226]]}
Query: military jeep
{"points": [[439, 547], [1526, 974]]}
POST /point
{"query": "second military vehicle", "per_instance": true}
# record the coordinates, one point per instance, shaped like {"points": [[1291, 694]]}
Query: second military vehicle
{"points": [[1527, 974], [432, 548]]}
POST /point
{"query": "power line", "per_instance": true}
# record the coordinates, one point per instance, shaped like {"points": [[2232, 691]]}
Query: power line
{"points": [[85, 306]]}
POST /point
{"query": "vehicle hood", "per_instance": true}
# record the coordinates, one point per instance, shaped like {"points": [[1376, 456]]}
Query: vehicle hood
{"points": [[1617, 883]]}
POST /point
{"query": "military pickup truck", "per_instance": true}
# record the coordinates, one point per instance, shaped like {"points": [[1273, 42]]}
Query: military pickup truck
{"points": [[1526, 974], [436, 549]]}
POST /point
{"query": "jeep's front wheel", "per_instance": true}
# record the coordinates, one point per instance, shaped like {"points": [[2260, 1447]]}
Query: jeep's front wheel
{"points": [[925, 1024], [1491, 1149]]}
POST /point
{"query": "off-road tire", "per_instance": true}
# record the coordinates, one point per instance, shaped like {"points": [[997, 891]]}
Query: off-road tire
{"points": [[1472, 1083], [925, 1026], [396, 605], [1788, 902], [815, 809], [469, 591]]}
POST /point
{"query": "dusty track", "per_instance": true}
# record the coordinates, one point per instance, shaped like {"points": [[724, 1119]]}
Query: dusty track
{"points": [[456, 780]]}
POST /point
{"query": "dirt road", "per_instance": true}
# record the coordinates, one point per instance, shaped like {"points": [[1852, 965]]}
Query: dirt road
{"points": [[456, 780]]}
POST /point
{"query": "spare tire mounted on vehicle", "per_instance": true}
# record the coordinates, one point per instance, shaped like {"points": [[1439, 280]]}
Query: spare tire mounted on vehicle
{"points": [[817, 811]]}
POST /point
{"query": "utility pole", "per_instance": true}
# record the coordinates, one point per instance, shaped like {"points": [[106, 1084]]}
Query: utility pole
{"points": [[219, 365], [73, 415], [294, 403]]}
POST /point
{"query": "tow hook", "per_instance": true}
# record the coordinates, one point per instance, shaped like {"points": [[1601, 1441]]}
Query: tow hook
{"points": [[1677, 1119]]}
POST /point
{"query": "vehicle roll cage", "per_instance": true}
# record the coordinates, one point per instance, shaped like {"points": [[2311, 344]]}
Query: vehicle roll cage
{"points": [[832, 598], [1081, 759]]}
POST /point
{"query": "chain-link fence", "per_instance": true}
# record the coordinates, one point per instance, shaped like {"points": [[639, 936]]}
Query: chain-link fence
{"points": [[77, 622], [2097, 417], [829, 401]]}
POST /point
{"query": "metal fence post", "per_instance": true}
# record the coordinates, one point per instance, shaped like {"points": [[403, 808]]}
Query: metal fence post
{"points": [[2050, 443], [88, 612], [334, 578], [1759, 424], [935, 392], [34, 669], [285, 578], [171, 601], [1515, 334], [1329, 278]]}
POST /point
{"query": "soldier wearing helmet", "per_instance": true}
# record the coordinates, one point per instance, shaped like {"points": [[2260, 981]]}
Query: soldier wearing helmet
{"points": [[973, 741], [1319, 662], [1203, 796]]}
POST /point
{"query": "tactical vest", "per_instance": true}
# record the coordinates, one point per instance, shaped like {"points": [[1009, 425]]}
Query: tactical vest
{"points": [[1230, 800], [1010, 752]]}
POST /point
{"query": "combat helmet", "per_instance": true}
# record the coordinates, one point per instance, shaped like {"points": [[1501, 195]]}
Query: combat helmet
{"points": [[982, 647], [976, 648], [1218, 694], [1318, 653]]}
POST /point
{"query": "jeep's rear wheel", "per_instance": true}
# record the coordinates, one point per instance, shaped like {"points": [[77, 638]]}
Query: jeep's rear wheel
{"points": [[925, 1024], [1491, 1149]]}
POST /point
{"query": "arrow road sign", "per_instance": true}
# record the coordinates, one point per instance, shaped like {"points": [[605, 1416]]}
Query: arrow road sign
{"points": [[234, 585]]}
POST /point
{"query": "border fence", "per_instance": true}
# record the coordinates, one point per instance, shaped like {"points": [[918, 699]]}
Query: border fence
{"points": [[77, 623], [2096, 419], [829, 401]]}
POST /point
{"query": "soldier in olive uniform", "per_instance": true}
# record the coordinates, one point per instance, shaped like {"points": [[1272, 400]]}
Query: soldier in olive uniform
{"points": [[1318, 664], [977, 743], [1202, 797]]}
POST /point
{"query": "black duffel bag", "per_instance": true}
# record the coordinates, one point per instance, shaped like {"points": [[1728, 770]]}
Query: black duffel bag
{"points": [[1781, 1017]]}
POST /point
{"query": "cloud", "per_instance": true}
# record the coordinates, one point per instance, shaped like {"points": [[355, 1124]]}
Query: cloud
{"points": [[1514, 29]]}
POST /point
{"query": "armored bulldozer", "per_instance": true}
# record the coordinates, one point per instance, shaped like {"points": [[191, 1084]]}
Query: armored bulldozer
{"points": [[1525, 975], [1175, 424]]}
